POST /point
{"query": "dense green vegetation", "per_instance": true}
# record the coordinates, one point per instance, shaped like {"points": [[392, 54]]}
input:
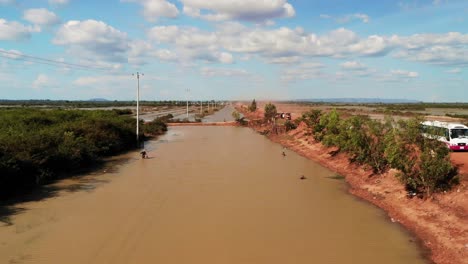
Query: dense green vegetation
{"points": [[424, 163], [37, 146], [157, 126], [270, 111], [463, 117], [239, 119], [417, 106], [253, 106], [93, 104]]}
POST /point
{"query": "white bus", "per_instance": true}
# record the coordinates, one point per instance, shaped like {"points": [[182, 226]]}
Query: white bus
{"points": [[454, 135]]}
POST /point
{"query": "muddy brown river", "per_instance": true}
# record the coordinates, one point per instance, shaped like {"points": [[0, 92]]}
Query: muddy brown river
{"points": [[206, 195]]}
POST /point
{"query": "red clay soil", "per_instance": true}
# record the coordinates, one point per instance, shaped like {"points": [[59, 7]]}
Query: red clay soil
{"points": [[232, 123], [441, 222]]}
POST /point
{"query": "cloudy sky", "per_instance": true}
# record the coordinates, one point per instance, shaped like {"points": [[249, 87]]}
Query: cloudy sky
{"points": [[234, 49]]}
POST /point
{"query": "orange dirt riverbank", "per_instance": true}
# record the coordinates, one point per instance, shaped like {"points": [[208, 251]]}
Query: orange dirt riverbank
{"points": [[441, 222]]}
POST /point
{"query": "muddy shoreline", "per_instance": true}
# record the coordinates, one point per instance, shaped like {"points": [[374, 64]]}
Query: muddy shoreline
{"points": [[440, 224]]}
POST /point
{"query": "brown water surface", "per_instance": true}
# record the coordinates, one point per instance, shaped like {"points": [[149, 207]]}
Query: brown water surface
{"points": [[208, 195]]}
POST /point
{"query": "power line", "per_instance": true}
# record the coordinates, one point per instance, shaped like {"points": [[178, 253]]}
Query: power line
{"points": [[35, 59]]}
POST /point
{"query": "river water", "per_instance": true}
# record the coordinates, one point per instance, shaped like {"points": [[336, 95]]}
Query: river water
{"points": [[207, 195]]}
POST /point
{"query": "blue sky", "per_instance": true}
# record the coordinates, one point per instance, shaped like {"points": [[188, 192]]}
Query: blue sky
{"points": [[234, 49]]}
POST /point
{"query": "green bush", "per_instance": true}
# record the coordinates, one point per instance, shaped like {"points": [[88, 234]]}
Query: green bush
{"points": [[330, 124], [290, 125], [38, 145], [311, 118], [253, 106], [270, 111], [424, 164], [156, 127], [237, 116]]}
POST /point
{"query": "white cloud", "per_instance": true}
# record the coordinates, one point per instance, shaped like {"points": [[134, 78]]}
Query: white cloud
{"points": [[454, 71], [283, 42], [352, 65], [285, 45], [41, 17], [106, 80], [192, 43], [304, 71], [364, 18], [271, 43], [142, 51], [284, 60], [347, 18], [247, 10], [355, 68], [58, 2], [7, 2], [16, 31], [225, 57], [154, 9], [41, 81], [165, 55], [115, 86], [397, 76], [404, 74], [93, 40], [442, 49], [223, 72]]}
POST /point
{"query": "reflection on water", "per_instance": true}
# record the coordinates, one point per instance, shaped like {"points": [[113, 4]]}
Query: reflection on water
{"points": [[210, 195]]}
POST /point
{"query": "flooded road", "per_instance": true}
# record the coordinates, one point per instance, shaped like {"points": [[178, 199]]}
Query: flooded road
{"points": [[223, 115], [208, 195]]}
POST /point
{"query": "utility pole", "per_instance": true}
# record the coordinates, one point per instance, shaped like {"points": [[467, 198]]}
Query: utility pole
{"points": [[138, 108], [201, 107], [187, 90]]}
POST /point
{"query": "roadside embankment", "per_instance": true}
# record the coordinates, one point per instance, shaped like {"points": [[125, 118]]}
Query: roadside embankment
{"points": [[441, 222], [233, 123]]}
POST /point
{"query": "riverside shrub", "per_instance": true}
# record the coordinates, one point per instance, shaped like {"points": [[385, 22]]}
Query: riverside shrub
{"points": [[38, 145], [253, 106], [157, 127], [237, 116], [329, 135], [270, 111], [424, 164], [289, 125]]}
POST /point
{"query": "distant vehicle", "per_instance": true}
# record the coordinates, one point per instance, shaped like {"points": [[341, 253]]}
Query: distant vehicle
{"points": [[283, 116], [455, 136]]}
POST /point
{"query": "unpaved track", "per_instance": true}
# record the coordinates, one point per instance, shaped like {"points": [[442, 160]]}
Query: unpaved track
{"points": [[208, 195]]}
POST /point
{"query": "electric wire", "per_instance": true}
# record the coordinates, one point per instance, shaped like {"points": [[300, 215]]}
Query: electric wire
{"points": [[39, 60]]}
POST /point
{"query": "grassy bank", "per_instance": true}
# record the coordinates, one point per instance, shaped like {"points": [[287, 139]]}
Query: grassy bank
{"points": [[37, 146]]}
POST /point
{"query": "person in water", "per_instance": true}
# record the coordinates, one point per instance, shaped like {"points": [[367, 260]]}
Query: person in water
{"points": [[143, 154]]}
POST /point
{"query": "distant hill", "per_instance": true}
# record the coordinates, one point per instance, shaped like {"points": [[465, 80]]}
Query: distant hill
{"points": [[359, 100]]}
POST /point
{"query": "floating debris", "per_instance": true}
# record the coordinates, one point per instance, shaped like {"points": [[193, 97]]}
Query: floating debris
{"points": [[336, 177]]}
